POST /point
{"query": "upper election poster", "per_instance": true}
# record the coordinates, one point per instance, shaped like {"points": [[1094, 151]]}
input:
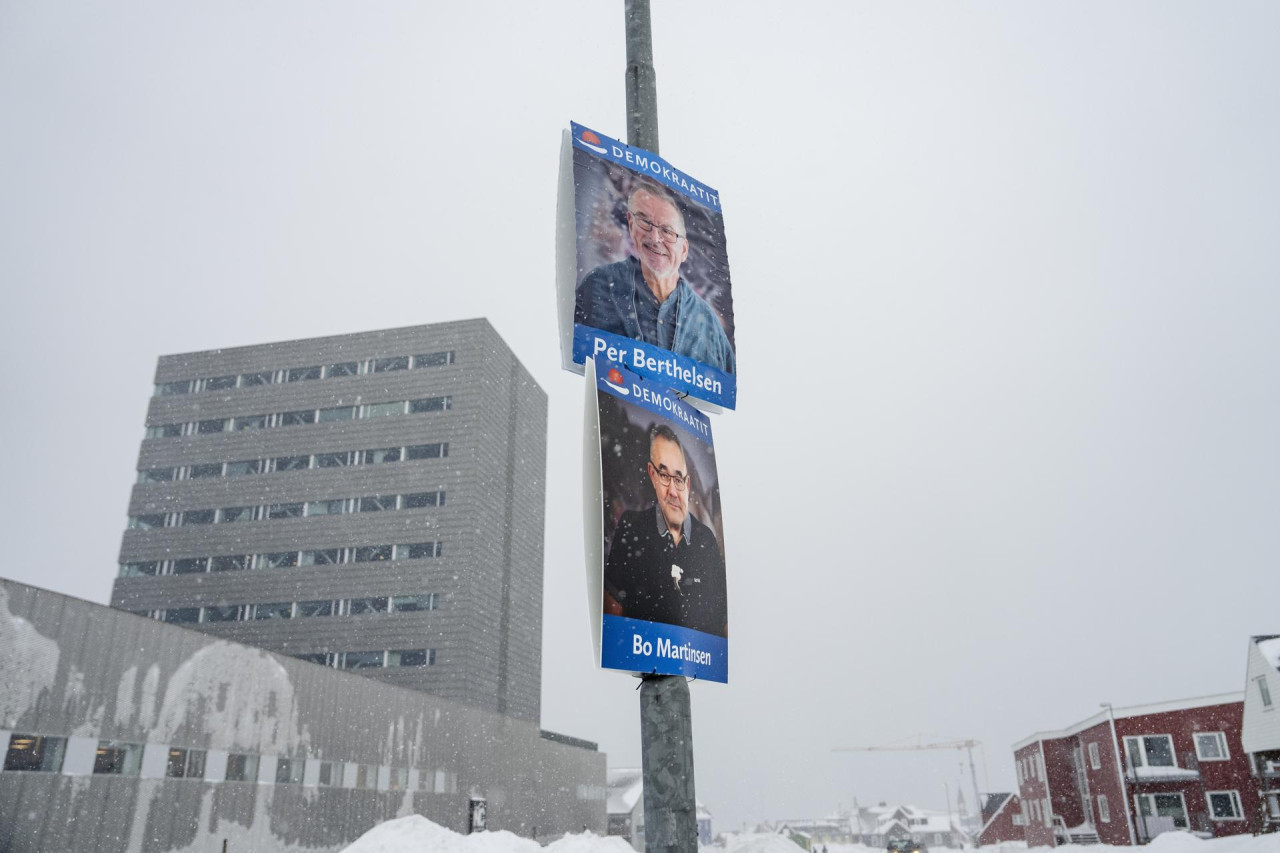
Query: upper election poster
{"points": [[660, 572], [648, 270]]}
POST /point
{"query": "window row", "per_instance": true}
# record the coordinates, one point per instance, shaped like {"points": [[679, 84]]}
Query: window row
{"points": [[296, 609], [372, 660], [304, 374], [283, 559], [1030, 767], [81, 756], [338, 459], [242, 423], [301, 509]]}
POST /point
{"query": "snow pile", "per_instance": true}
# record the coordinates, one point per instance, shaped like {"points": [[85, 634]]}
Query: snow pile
{"points": [[416, 834], [759, 842]]}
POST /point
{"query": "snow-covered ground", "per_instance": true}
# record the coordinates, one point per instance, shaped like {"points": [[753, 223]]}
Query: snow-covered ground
{"points": [[416, 834]]}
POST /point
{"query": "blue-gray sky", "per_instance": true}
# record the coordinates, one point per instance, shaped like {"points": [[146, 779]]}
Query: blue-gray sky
{"points": [[1005, 281]]}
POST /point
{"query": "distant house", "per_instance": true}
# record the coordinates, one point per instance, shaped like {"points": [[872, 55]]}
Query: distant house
{"points": [[1260, 731], [625, 805], [876, 825], [1127, 778], [1002, 819], [831, 830]]}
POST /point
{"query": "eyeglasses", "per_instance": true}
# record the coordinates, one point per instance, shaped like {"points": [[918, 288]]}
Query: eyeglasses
{"points": [[669, 234], [668, 479]]}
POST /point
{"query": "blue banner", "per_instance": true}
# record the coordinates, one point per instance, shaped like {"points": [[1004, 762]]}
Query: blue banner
{"points": [[663, 366], [645, 162], [652, 647]]}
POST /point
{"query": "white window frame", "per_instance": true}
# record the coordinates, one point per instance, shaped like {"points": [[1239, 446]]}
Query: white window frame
{"points": [[1104, 809], [1264, 692], [1142, 749], [1095, 757], [1137, 805], [1235, 801], [1221, 738]]}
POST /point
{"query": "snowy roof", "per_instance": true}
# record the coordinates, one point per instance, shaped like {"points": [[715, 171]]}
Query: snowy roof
{"points": [[1132, 711], [1162, 774], [625, 785], [1270, 648], [991, 805]]}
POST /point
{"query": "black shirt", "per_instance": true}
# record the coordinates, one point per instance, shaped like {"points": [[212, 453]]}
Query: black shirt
{"points": [[638, 573]]}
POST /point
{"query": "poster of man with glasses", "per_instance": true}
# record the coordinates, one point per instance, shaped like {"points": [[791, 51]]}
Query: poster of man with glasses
{"points": [[650, 270], [660, 577]]}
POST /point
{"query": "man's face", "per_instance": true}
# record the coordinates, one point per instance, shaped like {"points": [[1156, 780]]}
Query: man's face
{"points": [[673, 498], [656, 253]]}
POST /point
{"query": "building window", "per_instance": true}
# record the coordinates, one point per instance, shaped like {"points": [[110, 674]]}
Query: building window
{"points": [[222, 613], [185, 764], [168, 389], [275, 610], [250, 380], [373, 554], [365, 776], [363, 660], [377, 503], [1211, 746], [378, 410], [1263, 690], [364, 606], [434, 359], [298, 418], [426, 451], [326, 557], [411, 657], [229, 563], [341, 413], [191, 566], [333, 460], [117, 759], [211, 426], [232, 514], [377, 457], [319, 658], [200, 472], [182, 615], [315, 608], [399, 779], [199, 516], [1046, 809], [150, 521], [422, 499], [418, 551], [242, 768], [245, 422], [291, 463], [219, 383], [1163, 805], [247, 466], [35, 752], [289, 771], [1095, 761], [1225, 805], [1104, 809], [383, 365], [346, 368], [334, 507], [330, 774], [414, 603], [430, 404], [156, 475], [302, 374], [1150, 751], [279, 560], [164, 431], [133, 570], [284, 511]]}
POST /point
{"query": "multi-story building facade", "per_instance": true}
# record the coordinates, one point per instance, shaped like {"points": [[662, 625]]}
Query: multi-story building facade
{"points": [[1260, 736], [1125, 775], [1002, 820], [370, 502]]}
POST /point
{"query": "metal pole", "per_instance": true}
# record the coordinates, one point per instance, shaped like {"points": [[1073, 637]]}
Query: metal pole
{"points": [[666, 742], [641, 82]]}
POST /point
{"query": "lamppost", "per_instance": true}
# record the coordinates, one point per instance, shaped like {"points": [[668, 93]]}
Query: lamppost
{"points": [[1124, 789]]}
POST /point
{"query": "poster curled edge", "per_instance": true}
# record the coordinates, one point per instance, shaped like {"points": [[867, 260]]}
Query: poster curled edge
{"points": [[592, 496]]}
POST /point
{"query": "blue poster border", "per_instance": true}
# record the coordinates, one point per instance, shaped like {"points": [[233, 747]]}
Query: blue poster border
{"points": [[679, 372], [634, 645]]}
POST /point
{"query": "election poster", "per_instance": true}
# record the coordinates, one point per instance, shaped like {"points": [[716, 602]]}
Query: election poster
{"points": [[657, 589], [642, 269]]}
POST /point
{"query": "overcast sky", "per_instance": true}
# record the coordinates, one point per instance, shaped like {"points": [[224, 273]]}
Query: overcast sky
{"points": [[1006, 284]]}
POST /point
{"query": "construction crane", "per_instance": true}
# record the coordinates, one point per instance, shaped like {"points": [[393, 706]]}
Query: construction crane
{"points": [[967, 745]]}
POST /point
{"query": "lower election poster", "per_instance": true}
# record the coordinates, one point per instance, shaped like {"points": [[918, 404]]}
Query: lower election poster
{"points": [[655, 546]]}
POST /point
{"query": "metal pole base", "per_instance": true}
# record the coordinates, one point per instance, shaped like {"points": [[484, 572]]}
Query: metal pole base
{"points": [[666, 737]]}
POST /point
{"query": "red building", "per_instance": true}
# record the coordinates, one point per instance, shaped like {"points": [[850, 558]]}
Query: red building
{"points": [[1125, 775], [1002, 819]]}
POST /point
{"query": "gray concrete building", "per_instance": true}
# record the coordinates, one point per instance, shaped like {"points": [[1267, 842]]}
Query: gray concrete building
{"points": [[122, 733], [369, 502]]}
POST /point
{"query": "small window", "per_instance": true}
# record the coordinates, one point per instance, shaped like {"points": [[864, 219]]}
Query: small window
{"points": [[1104, 809], [399, 779], [430, 404], [229, 563], [182, 615], [414, 603], [231, 514], [315, 608], [247, 466], [377, 457], [199, 516], [191, 566], [434, 359], [156, 475], [242, 768], [1264, 692], [365, 606], [373, 553], [411, 657], [275, 610], [318, 658], [365, 776], [299, 418], [289, 771], [245, 422], [383, 365], [378, 410], [185, 764], [211, 426], [333, 460], [1225, 805], [426, 451], [377, 503], [250, 380], [1211, 746], [117, 759], [363, 660], [330, 774], [303, 374], [291, 463], [164, 431], [284, 511], [346, 368], [1095, 760], [151, 521], [219, 383], [35, 753], [134, 570], [202, 472], [168, 389], [340, 413], [334, 507], [1150, 751], [222, 613], [325, 557], [278, 560], [421, 499], [418, 551]]}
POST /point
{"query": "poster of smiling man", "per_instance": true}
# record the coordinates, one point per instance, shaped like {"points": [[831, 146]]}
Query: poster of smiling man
{"points": [[655, 555], [643, 273]]}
